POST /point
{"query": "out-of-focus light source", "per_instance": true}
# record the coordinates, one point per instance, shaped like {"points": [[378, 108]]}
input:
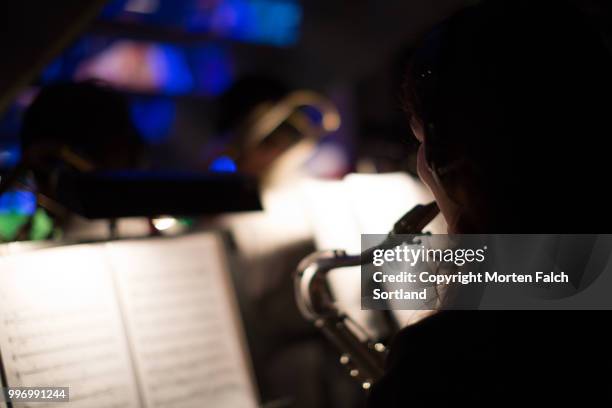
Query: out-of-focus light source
{"points": [[164, 223], [161, 68], [274, 22], [153, 117], [9, 156], [142, 6], [223, 164], [18, 202], [141, 67], [170, 70]]}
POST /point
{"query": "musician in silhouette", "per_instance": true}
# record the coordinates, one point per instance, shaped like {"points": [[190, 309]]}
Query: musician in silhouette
{"points": [[511, 103]]}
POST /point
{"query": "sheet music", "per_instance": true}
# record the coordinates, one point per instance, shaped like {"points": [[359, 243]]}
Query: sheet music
{"points": [[182, 322], [60, 325]]}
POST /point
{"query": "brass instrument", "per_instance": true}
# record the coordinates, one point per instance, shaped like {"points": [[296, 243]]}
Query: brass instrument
{"points": [[264, 135], [265, 118], [363, 358]]}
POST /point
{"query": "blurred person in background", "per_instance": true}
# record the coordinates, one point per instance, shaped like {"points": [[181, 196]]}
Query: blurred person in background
{"points": [[71, 127], [88, 121]]}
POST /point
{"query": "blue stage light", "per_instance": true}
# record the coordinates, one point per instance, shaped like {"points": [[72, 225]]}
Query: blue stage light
{"points": [[18, 202], [9, 156], [170, 68], [153, 117], [223, 164], [274, 22]]}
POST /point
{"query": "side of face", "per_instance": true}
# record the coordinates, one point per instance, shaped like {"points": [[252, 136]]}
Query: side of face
{"points": [[449, 209]]}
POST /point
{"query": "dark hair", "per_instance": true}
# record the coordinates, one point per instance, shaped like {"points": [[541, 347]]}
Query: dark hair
{"points": [[513, 98]]}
